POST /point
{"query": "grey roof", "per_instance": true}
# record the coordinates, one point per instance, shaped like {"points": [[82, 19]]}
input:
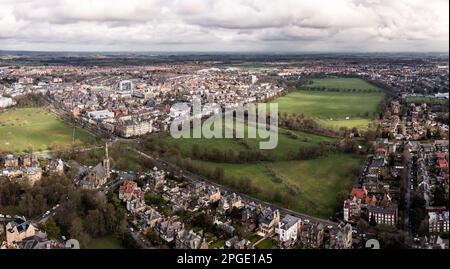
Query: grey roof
{"points": [[38, 241], [377, 163], [390, 209], [288, 221], [20, 224], [99, 170]]}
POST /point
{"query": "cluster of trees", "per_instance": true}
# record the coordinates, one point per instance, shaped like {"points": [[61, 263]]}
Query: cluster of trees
{"points": [[227, 156], [31, 100], [199, 220], [299, 122], [418, 212], [88, 214], [82, 215], [121, 157], [29, 201], [439, 196]]}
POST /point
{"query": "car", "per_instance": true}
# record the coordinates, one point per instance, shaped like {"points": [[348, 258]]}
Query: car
{"points": [[412, 188], [8, 216], [131, 230], [47, 213], [2, 216]]}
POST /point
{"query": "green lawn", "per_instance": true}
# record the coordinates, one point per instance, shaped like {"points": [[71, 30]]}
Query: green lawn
{"points": [[318, 181], [335, 108], [359, 123], [330, 105], [104, 243], [268, 243], [286, 142], [25, 127], [343, 83], [185, 145]]}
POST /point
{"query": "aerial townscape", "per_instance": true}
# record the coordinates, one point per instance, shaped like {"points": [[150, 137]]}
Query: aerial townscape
{"points": [[86, 153], [224, 132]]}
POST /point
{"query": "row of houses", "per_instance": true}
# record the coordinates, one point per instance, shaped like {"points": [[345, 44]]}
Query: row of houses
{"points": [[27, 169], [362, 204], [264, 221]]}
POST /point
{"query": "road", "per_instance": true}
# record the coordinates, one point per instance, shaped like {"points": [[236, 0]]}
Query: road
{"points": [[196, 178], [408, 185]]}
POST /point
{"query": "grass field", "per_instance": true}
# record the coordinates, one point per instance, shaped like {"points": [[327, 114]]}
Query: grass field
{"points": [[343, 83], [35, 127], [104, 243], [336, 109], [285, 142], [318, 181]]}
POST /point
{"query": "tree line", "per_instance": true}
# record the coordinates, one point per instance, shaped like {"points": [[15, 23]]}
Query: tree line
{"points": [[83, 215]]}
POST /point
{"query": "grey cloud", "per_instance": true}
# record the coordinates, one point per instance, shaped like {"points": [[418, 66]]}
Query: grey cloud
{"points": [[225, 24]]}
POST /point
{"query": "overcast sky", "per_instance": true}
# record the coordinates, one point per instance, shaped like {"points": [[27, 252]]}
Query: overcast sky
{"points": [[225, 25]]}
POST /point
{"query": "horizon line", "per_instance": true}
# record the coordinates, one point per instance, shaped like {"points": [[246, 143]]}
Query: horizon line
{"points": [[231, 52]]}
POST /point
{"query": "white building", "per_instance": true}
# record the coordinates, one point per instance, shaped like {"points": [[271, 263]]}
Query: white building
{"points": [[126, 86], [180, 110], [101, 114], [6, 102], [438, 222], [288, 229]]}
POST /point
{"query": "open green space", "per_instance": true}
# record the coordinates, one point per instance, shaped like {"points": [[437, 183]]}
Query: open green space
{"points": [[335, 108], [317, 182], [330, 105], [23, 128], [268, 243], [109, 242], [343, 83], [287, 141]]}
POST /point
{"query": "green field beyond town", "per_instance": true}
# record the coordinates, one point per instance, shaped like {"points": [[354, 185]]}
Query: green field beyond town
{"points": [[339, 102], [23, 129]]}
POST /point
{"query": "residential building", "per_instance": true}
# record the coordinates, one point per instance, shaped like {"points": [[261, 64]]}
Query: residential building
{"points": [[19, 229], [288, 230], [268, 220], [438, 222]]}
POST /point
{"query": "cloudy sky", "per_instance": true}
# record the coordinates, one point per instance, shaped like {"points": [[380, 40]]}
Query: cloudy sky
{"points": [[225, 25]]}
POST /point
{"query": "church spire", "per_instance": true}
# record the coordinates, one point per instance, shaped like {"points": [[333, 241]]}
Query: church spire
{"points": [[106, 162], [106, 151]]}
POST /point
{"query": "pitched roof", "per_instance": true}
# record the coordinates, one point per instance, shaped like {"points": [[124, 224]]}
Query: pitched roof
{"points": [[99, 170], [443, 164], [359, 193]]}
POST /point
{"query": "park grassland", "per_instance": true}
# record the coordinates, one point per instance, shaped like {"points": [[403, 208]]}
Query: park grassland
{"points": [[318, 181], [109, 242], [342, 102], [35, 128], [286, 141], [343, 84]]}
